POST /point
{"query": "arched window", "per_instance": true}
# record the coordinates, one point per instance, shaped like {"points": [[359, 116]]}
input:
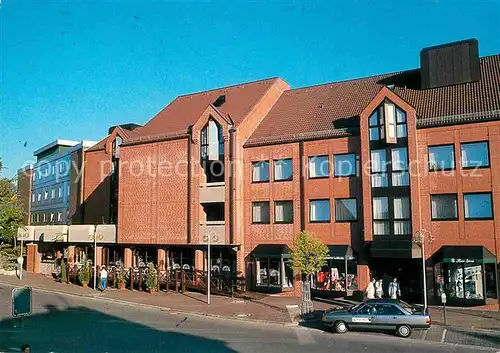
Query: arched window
{"points": [[212, 141]]}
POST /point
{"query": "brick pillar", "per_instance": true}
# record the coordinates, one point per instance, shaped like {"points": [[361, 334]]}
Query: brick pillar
{"points": [[127, 257], [198, 260], [32, 258], [98, 260], [363, 277], [71, 254], [162, 259], [297, 284], [240, 262]]}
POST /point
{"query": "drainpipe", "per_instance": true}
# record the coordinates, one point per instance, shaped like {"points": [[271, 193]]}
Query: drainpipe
{"points": [[188, 210], [301, 179], [232, 130]]}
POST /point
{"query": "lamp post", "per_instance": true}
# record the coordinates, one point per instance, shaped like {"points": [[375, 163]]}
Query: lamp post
{"points": [[208, 238], [419, 238], [93, 237]]}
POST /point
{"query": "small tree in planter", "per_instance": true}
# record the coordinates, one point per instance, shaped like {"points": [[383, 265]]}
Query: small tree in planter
{"points": [[84, 274], [121, 277], [151, 279], [64, 272], [308, 256]]}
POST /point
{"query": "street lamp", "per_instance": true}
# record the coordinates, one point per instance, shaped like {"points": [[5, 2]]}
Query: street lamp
{"points": [[93, 237], [420, 238], [208, 238]]}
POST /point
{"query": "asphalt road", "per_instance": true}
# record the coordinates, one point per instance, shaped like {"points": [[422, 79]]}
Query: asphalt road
{"points": [[61, 323]]}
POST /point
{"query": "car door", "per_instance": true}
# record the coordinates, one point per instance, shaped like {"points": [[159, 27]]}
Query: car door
{"points": [[362, 318], [387, 317]]}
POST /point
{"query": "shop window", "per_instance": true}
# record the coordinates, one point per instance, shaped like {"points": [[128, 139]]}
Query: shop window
{"points": [[345, 210], [319, 167], [402, 216], [273, 272], [283, 212], [260, 171], [400, 176], [283, 169], [260, 212], [478, 206], [489, 272], [379, 168], [319, 211], [465, 281], [444, 207], [475, 155], [441, 158], [332, 276], [344, 165], [381, 224]]}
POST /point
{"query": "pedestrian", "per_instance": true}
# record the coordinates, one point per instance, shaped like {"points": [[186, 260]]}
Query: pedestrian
{"points": [[379, 289], [370, 290], [394, 290], [104, 278]]}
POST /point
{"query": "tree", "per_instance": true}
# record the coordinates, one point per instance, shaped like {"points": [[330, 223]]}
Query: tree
{"points": [[11, 211], [308, 256]]}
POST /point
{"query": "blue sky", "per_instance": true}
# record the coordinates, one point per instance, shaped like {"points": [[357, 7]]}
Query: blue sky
{"points": [[72, 69]]}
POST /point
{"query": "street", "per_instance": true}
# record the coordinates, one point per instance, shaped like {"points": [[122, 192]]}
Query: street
{"points": [[61, 323]]}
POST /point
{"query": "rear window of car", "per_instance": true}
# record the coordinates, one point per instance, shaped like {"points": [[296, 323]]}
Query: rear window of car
{"points": [[406, 307]]}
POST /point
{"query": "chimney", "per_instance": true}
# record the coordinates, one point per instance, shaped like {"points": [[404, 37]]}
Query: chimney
{"points": [[450, 64]]}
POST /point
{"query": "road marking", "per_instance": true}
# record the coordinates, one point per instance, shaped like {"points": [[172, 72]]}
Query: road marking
{"points": [[304, 336], [443, 336]]}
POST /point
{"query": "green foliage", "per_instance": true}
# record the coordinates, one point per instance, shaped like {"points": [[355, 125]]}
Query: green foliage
{"points": [[309, 254], [151, 278], [11, 211], [121, 275], [84, 273]]}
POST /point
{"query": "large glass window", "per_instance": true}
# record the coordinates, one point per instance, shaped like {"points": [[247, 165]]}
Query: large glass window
{"points": [[441, 157], [273, 272], [401, 123], [381, 225], [400, 176], [390, 120], [319, 167], [319, 210], [283, 212], [475, 155], [377, 129], [344, 164], [283, 169], [260, 171], [260, 212], [444, 207], [345, 210], [379, 168], [402, 216], [478, 206]]}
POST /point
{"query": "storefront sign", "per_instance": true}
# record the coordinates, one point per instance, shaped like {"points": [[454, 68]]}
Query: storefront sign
{"points": [[461, 261]]}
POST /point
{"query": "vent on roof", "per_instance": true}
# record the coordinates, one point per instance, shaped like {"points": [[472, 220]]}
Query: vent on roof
{"points": [[450, 64], [220, 100]]}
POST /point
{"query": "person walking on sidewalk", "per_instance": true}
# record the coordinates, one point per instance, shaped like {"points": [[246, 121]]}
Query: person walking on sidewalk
{"points": [[104, 278], [379, 290], [394, 290], [370, 290]]}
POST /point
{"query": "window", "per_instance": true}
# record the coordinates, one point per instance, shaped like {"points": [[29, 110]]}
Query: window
{"points": [[283, 212], [45, 195], [401, 130], [319, 167], [283, 169], [319, 211], [260, 171], [390, 120], [387, 309], [44, 217], [61, 167], [377, 129], [441, 158], [444, 207], [53, 193], [366, 310], [381, 225], [33, 218], [59, 216], [344, 164], [212, 141], [260, 212], [402, 216], [38, 217], [68, 189], [345, 210], [39, 196], [400, 176], [52, 216], [379, 169], [478, 206], [60, 192], [116, 146], [33, 197], [34, 174], [475, 155]]}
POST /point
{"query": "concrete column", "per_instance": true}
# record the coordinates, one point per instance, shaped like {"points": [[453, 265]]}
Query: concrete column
{"points": [[363, 277], [127, 257], [98, 260], [198, 260], [240, 262], [32, 258], [162, 259]]}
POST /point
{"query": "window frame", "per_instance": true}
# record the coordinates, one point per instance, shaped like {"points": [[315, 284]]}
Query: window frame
{"points": [[441, 169], [445, 219], [268, 207], [335, 175], [335, 209], [479, 218], [329, 213], [394, 171], [309, 168], [393, 220], [274, 169], [275, 204], [475, 143], [268, 176], [386, 172]]}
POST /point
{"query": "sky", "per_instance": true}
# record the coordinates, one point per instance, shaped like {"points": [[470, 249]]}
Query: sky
{"points": [[71, 69]]}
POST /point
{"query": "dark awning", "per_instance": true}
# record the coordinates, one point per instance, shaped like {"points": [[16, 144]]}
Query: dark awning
{"points": [[464, 254], [340, 252], [271, 250]]}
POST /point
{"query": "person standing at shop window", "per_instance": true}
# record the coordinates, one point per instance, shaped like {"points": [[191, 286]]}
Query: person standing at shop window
{"points": [[370, 290], [394, 289]]}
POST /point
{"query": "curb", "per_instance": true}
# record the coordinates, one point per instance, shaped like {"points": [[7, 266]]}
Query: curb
{"points": [[160, 308]]}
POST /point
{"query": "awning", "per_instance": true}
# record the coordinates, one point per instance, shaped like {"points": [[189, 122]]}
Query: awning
{"points": [[340, 252], [464, 254], [271, 250]]}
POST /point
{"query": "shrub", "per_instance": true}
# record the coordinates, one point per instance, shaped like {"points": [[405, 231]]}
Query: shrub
{"points": [[84, 273], [151, 280]]}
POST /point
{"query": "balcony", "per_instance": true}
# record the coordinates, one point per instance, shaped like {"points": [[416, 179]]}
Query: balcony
{"points": [[212, 192], [216, 230]]}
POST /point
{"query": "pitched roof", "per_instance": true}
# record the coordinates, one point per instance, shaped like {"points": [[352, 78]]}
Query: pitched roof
{"points": [[102, 144], [186, 110], [312, 110]]}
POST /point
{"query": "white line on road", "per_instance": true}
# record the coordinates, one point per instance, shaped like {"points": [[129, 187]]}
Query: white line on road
{"points": [[443, 336], [304, 336]]}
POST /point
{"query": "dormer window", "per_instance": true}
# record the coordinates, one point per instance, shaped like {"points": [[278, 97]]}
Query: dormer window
{"points": [[387, 123]]}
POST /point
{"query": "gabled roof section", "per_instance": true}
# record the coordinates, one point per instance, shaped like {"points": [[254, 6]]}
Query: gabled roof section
{"points": [[184, 111], [127, 134], [326, 110]]}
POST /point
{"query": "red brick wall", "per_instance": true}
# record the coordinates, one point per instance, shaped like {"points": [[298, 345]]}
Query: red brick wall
{"points": [[96, 189]]}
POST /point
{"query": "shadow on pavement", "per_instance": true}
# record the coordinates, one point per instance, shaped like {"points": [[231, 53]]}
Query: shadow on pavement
{"points": [[80, 329]]}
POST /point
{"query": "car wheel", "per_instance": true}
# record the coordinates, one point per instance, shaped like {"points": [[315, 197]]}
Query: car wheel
{"points": [[340, 327], [403, 331]]}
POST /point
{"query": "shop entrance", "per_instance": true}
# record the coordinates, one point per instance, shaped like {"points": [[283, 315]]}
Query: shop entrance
{"points": [[407, 271]]}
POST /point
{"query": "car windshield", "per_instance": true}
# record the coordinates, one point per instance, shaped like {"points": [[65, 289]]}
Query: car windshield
{"points": [[356, 307], [405, 306]]}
